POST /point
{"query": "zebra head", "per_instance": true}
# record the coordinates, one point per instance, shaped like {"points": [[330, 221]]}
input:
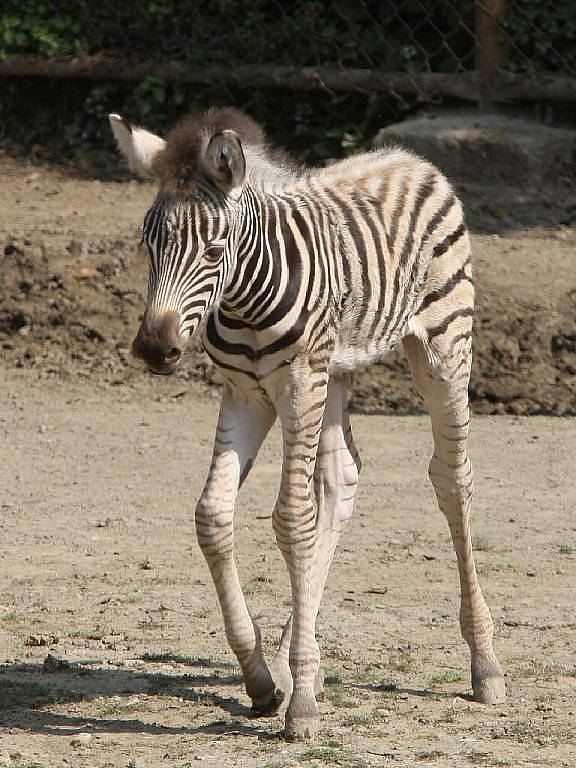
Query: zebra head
{"points": [[189, 230]]}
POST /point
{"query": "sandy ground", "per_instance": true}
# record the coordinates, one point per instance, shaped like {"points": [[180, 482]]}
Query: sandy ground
{"points": [[112, 651], [100, 566]]}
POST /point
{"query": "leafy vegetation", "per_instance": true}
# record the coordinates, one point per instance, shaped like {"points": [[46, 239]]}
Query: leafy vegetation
{"points": [[388, 34], [67, 120], [391, 35], [543, 36], [446, 677]]}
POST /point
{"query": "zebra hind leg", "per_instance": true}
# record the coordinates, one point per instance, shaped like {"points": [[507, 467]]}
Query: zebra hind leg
{"points": [[444, 388], [280, 667]]}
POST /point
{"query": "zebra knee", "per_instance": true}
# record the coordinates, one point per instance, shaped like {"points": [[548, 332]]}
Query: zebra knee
{"points": [[293, 522], [214, 515], [453, 485], [214, 529], [340, 486]]}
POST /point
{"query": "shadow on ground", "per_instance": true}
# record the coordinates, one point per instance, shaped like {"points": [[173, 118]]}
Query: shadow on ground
{"points": [[26, 690]]}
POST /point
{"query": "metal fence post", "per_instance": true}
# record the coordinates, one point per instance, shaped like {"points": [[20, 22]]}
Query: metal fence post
{"points": [[490, 49]]}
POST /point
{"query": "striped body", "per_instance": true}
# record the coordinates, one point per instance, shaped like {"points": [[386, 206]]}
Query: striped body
{"points": [[344, 261], [296, 277]]}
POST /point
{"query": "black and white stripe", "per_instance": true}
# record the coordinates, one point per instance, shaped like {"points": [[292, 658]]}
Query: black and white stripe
{"points": [[342, 262]]}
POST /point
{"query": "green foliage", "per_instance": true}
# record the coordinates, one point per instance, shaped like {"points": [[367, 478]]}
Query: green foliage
{"points": [[542, 36], [28, 26], [446, 677], [67, 120], [373, 33], [388, 34]]}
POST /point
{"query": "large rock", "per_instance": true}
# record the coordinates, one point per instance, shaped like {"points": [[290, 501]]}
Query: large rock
{"points": [[469, 144]]}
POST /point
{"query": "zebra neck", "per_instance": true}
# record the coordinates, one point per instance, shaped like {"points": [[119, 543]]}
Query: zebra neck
{"points": [[258, 281]]}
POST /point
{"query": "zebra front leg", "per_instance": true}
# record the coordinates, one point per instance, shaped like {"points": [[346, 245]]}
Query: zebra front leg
{"points": [[335, 480], [445, 392], [300, 405], [242, 426]]}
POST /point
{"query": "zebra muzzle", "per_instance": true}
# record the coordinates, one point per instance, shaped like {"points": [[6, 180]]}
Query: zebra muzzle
{"points": [[158, 341]]}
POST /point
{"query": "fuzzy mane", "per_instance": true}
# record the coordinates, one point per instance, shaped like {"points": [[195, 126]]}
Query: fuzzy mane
{"points": [[179, 167]]}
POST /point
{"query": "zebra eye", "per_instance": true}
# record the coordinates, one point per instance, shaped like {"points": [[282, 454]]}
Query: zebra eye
{"points": [[213, 253]]}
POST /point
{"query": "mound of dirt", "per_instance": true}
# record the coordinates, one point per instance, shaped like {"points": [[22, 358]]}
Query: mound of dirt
{"points": [[73, 281]]}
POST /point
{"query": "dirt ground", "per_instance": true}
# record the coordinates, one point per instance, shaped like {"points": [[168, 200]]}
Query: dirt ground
{"points": [[72, 283], [112, 651], [100, 570]]}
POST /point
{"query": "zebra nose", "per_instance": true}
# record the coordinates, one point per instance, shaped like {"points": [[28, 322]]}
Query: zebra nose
{"points": [[158, 341]]}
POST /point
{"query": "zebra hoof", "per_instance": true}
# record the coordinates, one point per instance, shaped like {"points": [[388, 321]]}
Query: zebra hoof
{"points": [[302, 717], [490, 690], [268, 706], [488, 685], [282, 677], [301, 728]]}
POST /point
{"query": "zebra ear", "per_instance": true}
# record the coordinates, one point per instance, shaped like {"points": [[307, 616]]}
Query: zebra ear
{"points": [[224, 161], [138, 146]]}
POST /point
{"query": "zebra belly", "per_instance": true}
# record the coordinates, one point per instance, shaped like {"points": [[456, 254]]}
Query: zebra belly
{"points": [[367, 334], [349, 355]]}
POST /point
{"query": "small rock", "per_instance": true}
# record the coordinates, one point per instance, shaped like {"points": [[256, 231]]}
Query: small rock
{"points": [[10, 249], [109, 269], [81, 740], [18, 320], [496, 212], [26, 286], [42, 429], [94, 335], [85, 272], [146, 565], [55, 282], [36, 641], [531, 572]]}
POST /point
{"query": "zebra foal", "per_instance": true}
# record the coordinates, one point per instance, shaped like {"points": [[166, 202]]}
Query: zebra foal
{"points": [[296, 277]]}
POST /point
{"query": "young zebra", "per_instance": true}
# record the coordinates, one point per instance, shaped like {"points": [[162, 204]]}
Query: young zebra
{"points": [[298, 277]]}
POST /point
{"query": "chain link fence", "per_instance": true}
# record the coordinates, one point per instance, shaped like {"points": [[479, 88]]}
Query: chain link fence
{"points": [[472, 50], [321, 75]]}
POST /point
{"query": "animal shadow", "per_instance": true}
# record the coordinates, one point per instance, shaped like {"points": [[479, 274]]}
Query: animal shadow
{"points": [[29, 692]]}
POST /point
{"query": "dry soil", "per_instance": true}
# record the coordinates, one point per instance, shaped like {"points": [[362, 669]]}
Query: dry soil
{"points": [[112, 651], [72, 284]]}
